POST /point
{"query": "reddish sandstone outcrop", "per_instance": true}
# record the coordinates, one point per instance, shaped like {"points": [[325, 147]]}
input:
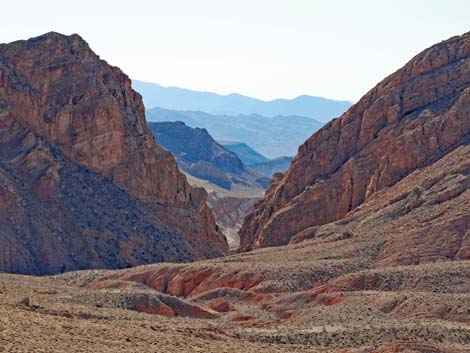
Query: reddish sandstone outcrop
{"points": [[59, 97], [132, 297], [222, 306], [184, 281], [408, 121], [70, 217]]}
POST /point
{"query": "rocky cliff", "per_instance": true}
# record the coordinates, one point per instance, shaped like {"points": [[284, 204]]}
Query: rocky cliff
{"points": [[410, 120], [64, 112]]}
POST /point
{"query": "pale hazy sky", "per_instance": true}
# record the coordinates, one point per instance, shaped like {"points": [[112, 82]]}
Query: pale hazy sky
{"points": [[261, 48]]}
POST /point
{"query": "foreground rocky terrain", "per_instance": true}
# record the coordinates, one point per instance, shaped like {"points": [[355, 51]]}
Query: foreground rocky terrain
{"points": [[83, 183]]}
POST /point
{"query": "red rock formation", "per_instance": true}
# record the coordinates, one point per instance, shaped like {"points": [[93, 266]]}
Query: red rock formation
{"points": [[160, 304], [222, 306], [64, 96], [408, 121], [185, 281]]}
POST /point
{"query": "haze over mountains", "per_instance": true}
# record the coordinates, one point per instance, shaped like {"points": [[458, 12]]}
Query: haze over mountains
{"points": [[247, 154], [272, 137], [174, 98], [274, 129], [233, 186], [273, 166]]}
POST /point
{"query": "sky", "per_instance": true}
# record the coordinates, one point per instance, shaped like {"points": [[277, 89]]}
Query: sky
{"points": [[261, 48]]}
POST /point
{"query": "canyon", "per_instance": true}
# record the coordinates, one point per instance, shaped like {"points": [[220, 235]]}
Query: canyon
{"points": [[361, 246]]}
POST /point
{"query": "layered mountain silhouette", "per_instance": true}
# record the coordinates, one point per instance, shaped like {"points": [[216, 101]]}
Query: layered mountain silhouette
{"points": [[270, 136], [257, 161], [198, 154], [365, 239], [84, 185], [273, 166], [247, 154], [233, 187], [174, 98]]}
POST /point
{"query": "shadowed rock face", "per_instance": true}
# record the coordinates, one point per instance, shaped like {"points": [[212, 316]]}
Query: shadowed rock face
{"points": [[191, 145], [198, 154], [65, 113], [408, 121]]}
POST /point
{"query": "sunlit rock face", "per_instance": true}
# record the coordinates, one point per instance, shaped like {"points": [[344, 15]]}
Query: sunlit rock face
{"points": [[408, 121], [69, 119]]}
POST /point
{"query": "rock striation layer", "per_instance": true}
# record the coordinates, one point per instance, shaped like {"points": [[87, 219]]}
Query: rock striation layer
{"points": [[410, 120], [79, 166]]}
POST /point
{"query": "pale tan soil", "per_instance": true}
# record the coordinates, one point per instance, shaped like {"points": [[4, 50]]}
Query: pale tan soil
{"points": [[56, 321], [63, 315], [394, 270]]}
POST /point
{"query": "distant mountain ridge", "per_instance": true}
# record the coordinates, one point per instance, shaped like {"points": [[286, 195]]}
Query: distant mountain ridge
{"points": [[175, 98], [198, 154], [257, 161], [271, 136], [275, 165], [247, 154]]}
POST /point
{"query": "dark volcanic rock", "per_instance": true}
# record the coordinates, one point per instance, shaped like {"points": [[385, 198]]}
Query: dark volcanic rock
{"points": [[84, 184], [408, 121], [191, 145], [198, 154]]}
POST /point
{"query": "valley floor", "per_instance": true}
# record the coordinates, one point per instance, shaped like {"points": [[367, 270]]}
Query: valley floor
{"points": [[393, 276], [60, 318], [119, 311]]}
